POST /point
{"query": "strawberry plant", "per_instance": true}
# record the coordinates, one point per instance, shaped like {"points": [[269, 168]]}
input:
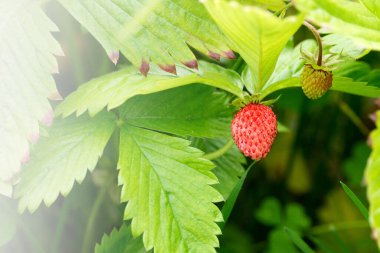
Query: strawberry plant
{"points": [[186, 126]]}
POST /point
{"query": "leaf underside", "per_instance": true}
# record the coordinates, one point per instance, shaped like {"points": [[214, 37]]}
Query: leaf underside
{"points": [[26, 84], [151, 30], [73, 146], [168, 189]]}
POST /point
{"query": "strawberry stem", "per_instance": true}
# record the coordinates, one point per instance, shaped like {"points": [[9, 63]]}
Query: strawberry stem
{"points": [[319, 41], [220, 152]]}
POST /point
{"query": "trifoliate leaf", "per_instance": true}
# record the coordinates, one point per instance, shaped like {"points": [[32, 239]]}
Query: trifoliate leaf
{"points": [[348, 18], [121, 241], [168, 189], [73, 146], [26, 84], [186, 111], [114, 89], [158, 30], [256, 34], [372, 177]]}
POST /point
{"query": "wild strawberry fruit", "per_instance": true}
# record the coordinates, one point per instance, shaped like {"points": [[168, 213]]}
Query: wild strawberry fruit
{"points": [[315, 82], [254, 129]]}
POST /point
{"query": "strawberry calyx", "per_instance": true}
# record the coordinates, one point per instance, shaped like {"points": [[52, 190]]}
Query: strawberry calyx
{"points": [[252, 99]]}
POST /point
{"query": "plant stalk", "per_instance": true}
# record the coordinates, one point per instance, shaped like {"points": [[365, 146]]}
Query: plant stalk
{"points": [[319, 41], [220, 152]]}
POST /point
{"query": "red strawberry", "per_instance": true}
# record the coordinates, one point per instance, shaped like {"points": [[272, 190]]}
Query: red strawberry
{"points": [[254, 128]]}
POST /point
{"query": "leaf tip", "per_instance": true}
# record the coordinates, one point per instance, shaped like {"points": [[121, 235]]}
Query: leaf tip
{"points": [[114, 57], [168, 68], [24, 159], [34, 137], [55, 96], [144, 67], [47, 120], [230, 54], [214, 55], [193, 64]]}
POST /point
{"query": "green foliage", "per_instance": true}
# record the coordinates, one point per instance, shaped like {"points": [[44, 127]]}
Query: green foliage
{"points": [[363, 210], [372, 179], [167, 186], [256, 34], [150, 30], [293, 217], [337, 16], [114, 89], [73, 146], [186, 111], [26, 84], [168, 183], [228, 167], [355, 165], [297, 240], [121, 241]]}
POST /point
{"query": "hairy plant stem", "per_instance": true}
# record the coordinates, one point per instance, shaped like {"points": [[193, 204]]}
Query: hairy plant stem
{"points": [[220, 152], [92, 217], [319, 41]]}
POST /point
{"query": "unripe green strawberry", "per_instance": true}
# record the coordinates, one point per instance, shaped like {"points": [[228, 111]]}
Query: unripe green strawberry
{"points": [[254, 129], [315, 82]]}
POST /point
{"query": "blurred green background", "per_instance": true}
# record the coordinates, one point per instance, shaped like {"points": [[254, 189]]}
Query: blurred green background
{"points": [[296, 186]]}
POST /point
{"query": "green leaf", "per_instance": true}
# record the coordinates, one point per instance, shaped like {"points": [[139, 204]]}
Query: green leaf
{"points": [[342, 84], [372, 177], [354, 166], [114, 89], [26, 84], [230, 202], [274, 5], [194, 110], [269, 212], [228, 167], [73, 146], [363, 210], [345, 17], [279, 240], [146, 30], [283, 84], [121, 241], [256, 34], [296, 218], [347, 85], [281, 128], [342, 45], [297, 240], [168, 189], [373, 6]]}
